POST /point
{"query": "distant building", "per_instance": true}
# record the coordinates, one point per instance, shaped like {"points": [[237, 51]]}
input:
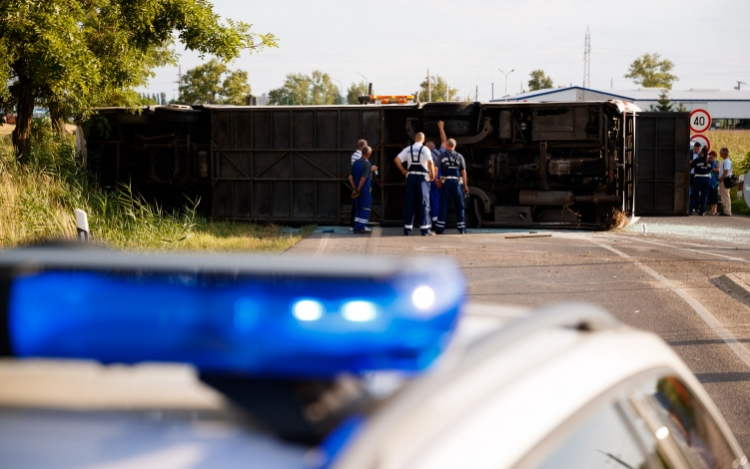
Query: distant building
{"points": [[40, 113], [728, 109]]}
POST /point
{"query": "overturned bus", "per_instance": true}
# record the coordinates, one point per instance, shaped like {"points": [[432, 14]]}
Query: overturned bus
{"points": [[577, 164]]}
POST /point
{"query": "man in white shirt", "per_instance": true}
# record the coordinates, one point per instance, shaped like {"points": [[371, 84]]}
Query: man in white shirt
{"points": [[724, 172], [358, 154], [419, 172]]}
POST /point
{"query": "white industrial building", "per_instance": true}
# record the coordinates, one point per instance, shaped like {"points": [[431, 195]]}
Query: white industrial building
{"points": [[728, 109]]}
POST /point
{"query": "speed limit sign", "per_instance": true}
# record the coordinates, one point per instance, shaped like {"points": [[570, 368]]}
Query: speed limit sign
{"points": [[702, 139], [700, 121]]}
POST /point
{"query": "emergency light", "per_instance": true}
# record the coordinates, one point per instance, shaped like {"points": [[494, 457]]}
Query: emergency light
{"points": [[255, 316]]}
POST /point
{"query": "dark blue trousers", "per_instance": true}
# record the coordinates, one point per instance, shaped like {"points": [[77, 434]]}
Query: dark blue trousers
{"points": [[699, 189], [451, 190], [417, 199], [363, 207], [434, 201]]}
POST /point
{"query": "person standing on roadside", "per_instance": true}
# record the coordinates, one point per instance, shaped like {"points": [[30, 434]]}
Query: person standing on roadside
{"points": [[694, 154], [419, 171], [702, 168], [454, 183], [358, 153], [713, 184], [361, 143], [724, 172], [362, 195]]}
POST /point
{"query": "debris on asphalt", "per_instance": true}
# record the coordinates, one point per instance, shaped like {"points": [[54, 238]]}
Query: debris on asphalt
{"points": [[528, 236]]}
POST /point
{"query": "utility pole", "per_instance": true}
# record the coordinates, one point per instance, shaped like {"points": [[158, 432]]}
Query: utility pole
{"points": [[476, 94], [587, 60], [367, 83], [506, 82], [429, 87], [493, 90], [179, 81], [341, 87], [739, 85]]}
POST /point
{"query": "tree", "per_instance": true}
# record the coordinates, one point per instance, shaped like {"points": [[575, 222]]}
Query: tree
{"points": [[72, 55], [439, 87], [540, 81], [651, 72], [355, 91], [204, 85], [299, 88], [235, 88], [663, 104]]}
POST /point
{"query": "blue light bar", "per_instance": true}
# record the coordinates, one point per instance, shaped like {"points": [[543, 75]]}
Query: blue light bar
{"points": [[279, 321]]}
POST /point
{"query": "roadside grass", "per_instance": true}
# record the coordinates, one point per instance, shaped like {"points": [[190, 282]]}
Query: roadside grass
{"points": [[738, 144], [739, 207], [37, 203]]}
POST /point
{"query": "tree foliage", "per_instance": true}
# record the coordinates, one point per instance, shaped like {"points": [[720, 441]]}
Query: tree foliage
{"points": [[651, 71], [663, 104], [302, 89], [355, 91], [72, 55], [540, 81], [439, 88], [213, 83]]}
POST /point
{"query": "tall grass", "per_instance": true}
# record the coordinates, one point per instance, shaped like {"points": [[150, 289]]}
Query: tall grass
{"points": [[738, 144], [37, 203]]}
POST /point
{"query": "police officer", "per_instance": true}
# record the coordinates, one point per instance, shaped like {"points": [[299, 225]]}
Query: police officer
{"points": [[701, 181], [454, 184], [362, 196], [434, 188], [419, 171]]}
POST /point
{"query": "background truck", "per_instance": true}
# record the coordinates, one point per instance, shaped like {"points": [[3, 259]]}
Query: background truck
{"points": [[577, 164]]}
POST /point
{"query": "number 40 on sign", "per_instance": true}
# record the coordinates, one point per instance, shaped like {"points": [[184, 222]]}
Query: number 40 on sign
{"points": [[700, 121]]}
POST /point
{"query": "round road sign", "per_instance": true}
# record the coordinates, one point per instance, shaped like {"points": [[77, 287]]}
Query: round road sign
{"points": [[702, 139], [700, 121]]}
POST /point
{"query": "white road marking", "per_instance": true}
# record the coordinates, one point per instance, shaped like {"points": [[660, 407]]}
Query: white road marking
{"points": [[696, 251], [322, 246], [708, 318]]}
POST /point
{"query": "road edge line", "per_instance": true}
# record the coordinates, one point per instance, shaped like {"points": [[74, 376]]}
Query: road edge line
{"points": [[322, 245], [694, 251], [708, 318]]}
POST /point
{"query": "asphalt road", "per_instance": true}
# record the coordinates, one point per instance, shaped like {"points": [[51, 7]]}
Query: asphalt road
{"points": [[660, 282]]}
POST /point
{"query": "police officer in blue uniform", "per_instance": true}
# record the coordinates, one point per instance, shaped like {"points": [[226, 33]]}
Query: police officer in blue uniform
{"points": [[454, 184], [434, 188], [419, 171], [362, 195]]}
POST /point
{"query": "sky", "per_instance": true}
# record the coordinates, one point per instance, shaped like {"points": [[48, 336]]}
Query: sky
{"points": [[394, 42]]}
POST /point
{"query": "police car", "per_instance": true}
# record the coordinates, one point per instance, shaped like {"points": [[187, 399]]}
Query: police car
{"points": [[283, 362]]}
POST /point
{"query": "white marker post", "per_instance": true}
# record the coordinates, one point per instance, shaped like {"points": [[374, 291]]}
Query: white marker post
{"points": [[82, 225]]}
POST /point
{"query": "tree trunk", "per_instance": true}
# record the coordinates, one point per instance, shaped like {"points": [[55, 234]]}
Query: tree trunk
{"points": [[57, 116], [22, 132]]}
